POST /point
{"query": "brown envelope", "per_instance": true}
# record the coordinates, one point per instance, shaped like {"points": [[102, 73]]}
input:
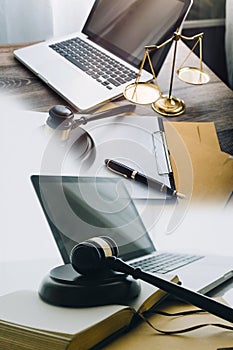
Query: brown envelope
{"points": [[207, 338], [201, 170]]}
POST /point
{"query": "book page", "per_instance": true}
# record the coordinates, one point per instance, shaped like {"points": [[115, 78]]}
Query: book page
{"points": [[27, 309], [150, 295]]}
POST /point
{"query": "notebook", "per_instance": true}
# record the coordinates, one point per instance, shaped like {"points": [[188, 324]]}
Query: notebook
{"points": [[95, 65], [79, 208]]}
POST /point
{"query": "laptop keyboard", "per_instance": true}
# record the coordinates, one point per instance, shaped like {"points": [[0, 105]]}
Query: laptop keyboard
{"points": [[101, 67], [165, 262]]}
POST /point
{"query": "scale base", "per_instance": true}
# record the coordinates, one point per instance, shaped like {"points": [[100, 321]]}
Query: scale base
{"points": [[169, 106], [63, 286]]}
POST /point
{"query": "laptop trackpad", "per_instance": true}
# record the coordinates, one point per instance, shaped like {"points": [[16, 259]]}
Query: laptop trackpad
{"points": [[205, 274]]}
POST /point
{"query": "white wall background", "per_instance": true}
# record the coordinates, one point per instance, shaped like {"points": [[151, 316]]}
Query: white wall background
{"points": [[31, 20]]}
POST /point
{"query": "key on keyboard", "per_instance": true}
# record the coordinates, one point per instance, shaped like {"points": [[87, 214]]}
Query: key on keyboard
{"points": [[101, 67], [165, 262]]}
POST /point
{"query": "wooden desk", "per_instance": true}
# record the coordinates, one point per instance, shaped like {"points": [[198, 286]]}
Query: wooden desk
{"points": [[210, 102]]}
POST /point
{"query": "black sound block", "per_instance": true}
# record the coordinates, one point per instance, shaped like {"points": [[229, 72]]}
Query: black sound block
{"points": [[63, 286]]}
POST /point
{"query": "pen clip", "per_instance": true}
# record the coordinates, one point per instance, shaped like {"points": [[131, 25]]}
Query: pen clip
{"points": [[165, 166], [115, 171]]}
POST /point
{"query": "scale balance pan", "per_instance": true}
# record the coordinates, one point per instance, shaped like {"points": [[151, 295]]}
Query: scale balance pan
{"points": [[193, 75], [142, 93]]}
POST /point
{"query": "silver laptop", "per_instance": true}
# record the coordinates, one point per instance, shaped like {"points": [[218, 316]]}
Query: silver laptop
{"points": [[96, 65], [80, 208]]}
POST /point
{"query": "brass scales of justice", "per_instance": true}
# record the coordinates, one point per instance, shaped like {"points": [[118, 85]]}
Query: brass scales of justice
{"points": [[149, 92]]}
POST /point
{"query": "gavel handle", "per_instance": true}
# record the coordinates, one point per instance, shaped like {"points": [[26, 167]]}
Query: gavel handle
{"points": [[127, 108], [202, 301]]}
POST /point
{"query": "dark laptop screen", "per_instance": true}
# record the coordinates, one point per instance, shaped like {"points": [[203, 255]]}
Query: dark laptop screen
{"points": [[79, 208], [125, 27]]}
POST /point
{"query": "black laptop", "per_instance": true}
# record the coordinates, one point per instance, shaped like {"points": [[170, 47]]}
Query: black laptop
{"points": [[80, 208]]}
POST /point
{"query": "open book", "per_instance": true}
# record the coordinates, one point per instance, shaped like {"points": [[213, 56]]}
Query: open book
{"points": [[26, 322]]}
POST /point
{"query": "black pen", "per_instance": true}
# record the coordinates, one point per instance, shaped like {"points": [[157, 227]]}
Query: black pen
{"points": [[129, 173]]}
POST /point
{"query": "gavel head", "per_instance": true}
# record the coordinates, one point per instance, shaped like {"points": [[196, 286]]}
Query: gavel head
{"points": [[60, 119], [89, 257]]}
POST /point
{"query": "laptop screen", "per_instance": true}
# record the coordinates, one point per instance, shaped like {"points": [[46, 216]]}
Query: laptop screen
{"points": [[125, 27], [80, 208]]}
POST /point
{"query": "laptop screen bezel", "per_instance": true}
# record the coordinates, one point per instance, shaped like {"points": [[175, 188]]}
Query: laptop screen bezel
{"points": [[157, 59]]}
